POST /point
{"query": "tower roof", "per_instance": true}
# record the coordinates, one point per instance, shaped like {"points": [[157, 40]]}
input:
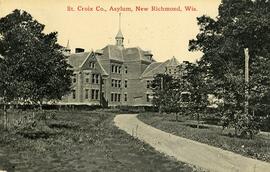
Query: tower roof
{"points": [[173, 62], [119, 34]]}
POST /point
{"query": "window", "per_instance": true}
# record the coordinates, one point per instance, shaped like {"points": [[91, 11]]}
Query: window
{"points": [[112, 82], [87, 80], [115, 97], [116, 83], [148, 84], [125, 97], [92, 94], [93, 78], [86, 94], [74, 94], [119, 70], [119, 97], [126, 69], [97, 93], [97, 78], [112, 68], [126, 83], [111, 97], [74, 80], [92, 64], [147, 98], [116, 69], [119, 83]]}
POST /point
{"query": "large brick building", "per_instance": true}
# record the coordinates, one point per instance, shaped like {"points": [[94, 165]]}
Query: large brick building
{"points": [[115, 75]]}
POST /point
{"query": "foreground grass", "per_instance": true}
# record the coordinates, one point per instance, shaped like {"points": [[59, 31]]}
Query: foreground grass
{"points": [[79, 141], [258, 148]]}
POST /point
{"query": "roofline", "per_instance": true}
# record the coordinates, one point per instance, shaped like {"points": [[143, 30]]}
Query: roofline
{"points": [[86, 59], [155, 67], [102, 68]]}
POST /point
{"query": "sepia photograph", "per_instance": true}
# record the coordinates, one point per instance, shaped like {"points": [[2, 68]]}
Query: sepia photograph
{"points": [[135, 86]]}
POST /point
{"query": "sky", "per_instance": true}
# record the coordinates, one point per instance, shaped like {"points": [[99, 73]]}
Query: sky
{"points": [[164, 33]]}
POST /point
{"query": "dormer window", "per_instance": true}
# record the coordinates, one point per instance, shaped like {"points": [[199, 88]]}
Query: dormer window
{"points": [[148, 55], [92, 65]]}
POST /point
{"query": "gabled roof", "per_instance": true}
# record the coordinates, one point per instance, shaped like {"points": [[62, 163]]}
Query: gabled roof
{"points": [[161, 68], [151, 67], [77, 59], [156, 68]]}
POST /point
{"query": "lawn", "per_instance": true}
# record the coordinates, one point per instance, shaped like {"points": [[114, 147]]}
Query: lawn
{"points": [[258, 148], [76, 141]]}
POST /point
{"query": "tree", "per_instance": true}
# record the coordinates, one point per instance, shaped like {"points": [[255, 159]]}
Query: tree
{"points": [[168, 91], [197, 79], [239, 24], [33, 68], [162, 86]]}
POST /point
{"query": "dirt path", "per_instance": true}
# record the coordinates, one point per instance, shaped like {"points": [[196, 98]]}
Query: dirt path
{"points": [[192, 152]]}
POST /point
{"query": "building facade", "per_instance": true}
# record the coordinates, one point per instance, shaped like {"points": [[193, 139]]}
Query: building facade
{"points": [[115, 75]]}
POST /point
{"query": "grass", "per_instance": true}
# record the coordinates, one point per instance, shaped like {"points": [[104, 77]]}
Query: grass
{"points": [[77, 141], [258, 148]]}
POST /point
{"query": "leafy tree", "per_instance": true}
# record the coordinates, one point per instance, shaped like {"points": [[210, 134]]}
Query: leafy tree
{"points": [[239, 24], [197, 80], [162, 86], [167, 94], [33, 68]]}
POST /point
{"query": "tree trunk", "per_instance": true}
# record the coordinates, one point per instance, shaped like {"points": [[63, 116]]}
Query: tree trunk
{"points": [[5, 116], [198, 120], [236, 131], [160, 109]]}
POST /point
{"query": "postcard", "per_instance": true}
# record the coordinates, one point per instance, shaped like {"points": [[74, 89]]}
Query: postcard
{"points": [[123, 85]]}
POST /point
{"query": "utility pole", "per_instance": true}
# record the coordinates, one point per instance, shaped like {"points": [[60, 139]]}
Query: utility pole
{"points": [[161, 89], [246, 51]]}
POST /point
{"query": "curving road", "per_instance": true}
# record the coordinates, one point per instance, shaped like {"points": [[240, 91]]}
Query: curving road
{"points": [[202, 155]]}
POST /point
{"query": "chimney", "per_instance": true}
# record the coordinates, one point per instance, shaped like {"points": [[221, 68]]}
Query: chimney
{"points": [[79, 50]]}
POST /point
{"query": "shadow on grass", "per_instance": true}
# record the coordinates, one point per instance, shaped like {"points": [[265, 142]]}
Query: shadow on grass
{"points": [[196, 126]]}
